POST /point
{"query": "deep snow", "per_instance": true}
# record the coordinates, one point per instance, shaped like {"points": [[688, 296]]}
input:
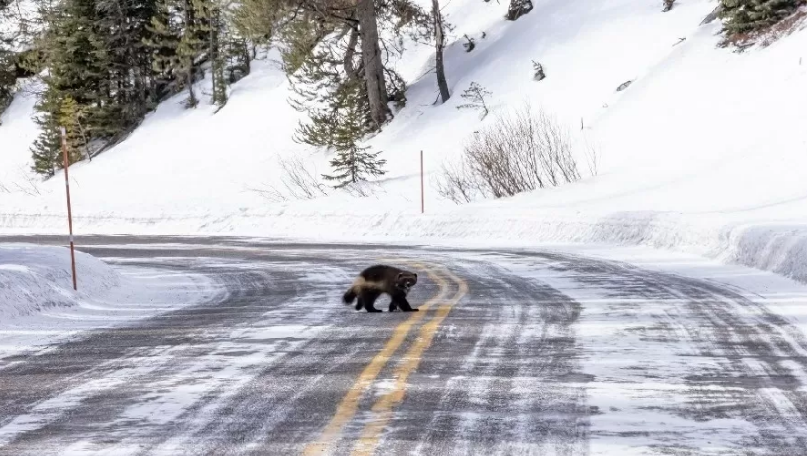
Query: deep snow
{"points": [[703, 153], [38, 305]]}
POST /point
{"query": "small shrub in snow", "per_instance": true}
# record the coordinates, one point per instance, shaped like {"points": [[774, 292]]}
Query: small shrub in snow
{"points": [[470, 45], [624, 86], [457, 183], [475, 93], [299, 182], [668, 4], [518, 153], [517, 9], [539, 71]]}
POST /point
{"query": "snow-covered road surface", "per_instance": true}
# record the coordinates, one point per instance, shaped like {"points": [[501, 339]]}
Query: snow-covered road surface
{"points": [[542, 352]]}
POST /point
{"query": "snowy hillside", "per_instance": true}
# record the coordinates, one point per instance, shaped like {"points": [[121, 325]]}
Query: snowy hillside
{"points": [[704, 151]]}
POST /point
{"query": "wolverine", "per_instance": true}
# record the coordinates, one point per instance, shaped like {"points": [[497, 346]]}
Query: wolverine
{"points": [[379, 279]]}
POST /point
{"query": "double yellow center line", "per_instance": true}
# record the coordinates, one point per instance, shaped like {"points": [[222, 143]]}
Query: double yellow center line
{"points": [[382, 409]]}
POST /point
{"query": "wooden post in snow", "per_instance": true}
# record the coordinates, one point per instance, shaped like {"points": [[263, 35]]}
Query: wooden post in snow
{"points": [[422, 205], [69, 210]]}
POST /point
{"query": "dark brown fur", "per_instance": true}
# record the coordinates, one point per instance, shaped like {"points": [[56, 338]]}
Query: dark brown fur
{"points": [[377, 280]]}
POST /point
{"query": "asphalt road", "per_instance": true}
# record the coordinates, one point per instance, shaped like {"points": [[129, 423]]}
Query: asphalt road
{"points": [[495, 363]]}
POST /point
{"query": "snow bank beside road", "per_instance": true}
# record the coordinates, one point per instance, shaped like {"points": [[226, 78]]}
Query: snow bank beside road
{"points": [[37, 278], [38, 305], [778, 246]]}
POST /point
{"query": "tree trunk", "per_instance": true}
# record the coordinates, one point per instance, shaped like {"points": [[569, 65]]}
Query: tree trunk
{"points": [[350, 69], [247, 58], [212, 52], [439, 44], [373, 66], [189, 20]]}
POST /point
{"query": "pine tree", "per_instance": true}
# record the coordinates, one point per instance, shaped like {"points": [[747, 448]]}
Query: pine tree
{"points": [[240, 58], [475, 94], [178, 40], [329, 46], [46, 149], [353, 163], [8, 77], [131, 89], [72, 117], [742, 16], [76, 83]]}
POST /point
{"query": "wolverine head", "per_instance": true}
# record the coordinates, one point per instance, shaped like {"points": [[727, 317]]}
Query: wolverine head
{"points": [[406, 280]]}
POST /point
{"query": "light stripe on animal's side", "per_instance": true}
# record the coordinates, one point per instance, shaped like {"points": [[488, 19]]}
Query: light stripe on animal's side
{"points": [[383, 407], [349, 404]]}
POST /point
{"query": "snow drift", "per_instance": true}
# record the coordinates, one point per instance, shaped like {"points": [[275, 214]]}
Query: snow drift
{"points": [[36, 278], [38, 305]]}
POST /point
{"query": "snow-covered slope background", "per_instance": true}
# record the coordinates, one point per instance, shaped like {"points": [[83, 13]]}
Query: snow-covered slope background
{"points": [[704, 152]]}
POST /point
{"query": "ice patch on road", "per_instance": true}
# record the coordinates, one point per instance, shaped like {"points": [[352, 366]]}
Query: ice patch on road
{"points": [[277, 332]]}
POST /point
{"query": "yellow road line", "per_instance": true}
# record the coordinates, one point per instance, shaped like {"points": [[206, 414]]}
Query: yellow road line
{"points": [[383, 407], [347, 408]]}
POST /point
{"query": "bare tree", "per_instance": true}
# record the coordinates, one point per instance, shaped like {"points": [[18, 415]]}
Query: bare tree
{"points": [[439, 42]]}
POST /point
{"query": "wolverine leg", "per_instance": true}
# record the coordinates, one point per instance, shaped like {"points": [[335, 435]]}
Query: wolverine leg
{"points": [[393, 304], [369, 299], [404, 304]]}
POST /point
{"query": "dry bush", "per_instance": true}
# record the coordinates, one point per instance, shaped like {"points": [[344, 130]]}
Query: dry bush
{"points": [[456, 183], [592, 154], [299, 182], [518, 153], [29, 187], [363, 189]]}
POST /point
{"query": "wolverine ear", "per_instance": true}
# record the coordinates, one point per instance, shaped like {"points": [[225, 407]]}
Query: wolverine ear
{"points": [[415, 274], [398, 278]]}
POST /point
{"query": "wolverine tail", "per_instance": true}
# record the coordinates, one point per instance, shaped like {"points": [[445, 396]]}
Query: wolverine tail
{"points": [[354, 290], [349, 295]]}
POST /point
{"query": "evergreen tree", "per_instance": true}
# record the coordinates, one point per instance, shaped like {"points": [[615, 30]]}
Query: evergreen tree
{"points": [[131, 89], [178, 40], [46, 150], [8, 77], [326, 49], [240, 58], [76, 83], [72, 117], [352, 162], [77, 54], [742, 16]]}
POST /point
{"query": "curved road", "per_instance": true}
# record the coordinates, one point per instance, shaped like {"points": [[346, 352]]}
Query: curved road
{"points": [[512, 353]]}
